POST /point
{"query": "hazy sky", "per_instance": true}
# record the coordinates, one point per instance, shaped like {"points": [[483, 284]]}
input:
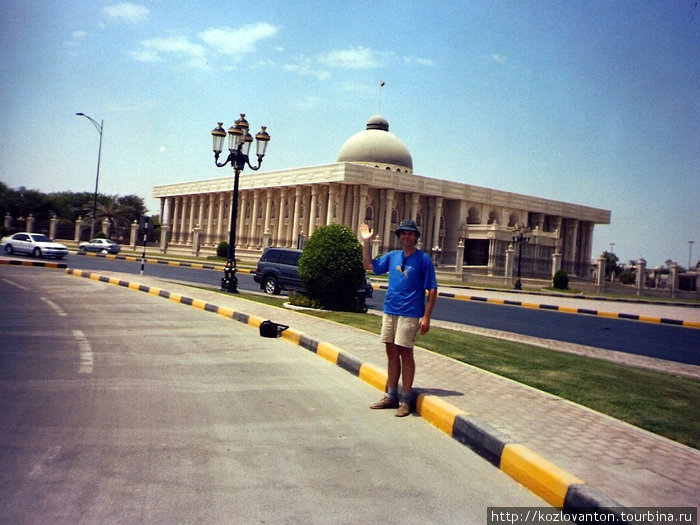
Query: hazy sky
{"points": [[589, 102]]}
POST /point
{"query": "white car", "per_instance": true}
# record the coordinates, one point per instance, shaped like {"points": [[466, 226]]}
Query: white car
{"points": [[36, 244], [99, 246]]}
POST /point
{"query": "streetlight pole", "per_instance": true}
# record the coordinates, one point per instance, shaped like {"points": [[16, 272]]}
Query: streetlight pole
{"points": [[239, 141], [99, 128], [690, 254], [520, 239]]}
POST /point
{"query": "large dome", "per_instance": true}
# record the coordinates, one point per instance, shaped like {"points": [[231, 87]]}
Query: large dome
{"points": [[376, 147]]}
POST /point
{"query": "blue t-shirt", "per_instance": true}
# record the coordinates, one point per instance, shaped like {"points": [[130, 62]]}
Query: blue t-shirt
{"points": [[409, 278]]}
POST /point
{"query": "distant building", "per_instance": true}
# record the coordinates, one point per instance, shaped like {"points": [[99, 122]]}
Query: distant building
{"points": [[465, 227]]}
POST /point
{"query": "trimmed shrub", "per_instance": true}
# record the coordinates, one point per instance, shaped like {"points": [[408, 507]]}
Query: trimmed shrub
{"points": [[627, 277], [222, 250], [561, 280], [331, 268]]}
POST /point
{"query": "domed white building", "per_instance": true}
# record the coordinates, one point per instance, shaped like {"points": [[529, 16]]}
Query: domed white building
{"points": [[468, 229]]}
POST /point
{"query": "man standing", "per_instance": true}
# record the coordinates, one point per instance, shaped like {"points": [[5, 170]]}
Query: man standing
{"points": [[406, 310]]}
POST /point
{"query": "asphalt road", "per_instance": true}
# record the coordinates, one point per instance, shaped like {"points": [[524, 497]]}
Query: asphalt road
{"points": [[668, 342], [121, 407]]}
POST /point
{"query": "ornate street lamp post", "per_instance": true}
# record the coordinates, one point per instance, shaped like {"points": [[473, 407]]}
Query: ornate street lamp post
{"points": [[99, 128], [239, 141], [520, 239]]}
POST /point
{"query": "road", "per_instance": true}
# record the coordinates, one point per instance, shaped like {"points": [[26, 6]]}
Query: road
{"points": [[121, 407], [668, 342]]}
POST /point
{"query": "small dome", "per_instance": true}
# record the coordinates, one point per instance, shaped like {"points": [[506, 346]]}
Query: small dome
{"points": [[375, 146]]}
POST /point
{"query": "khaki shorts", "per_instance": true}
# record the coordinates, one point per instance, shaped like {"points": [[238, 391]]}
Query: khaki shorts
{"points": [[399, 330]]}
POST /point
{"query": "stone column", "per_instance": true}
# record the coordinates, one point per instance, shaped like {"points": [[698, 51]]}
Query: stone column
{"points": [[673, 278], [375, 247], [190, 221], [8, 221], [459, 261], [253, 233], [78, 228], [30, 223], [105, 227], [53, 221], [641, 268], [556, 262], [295, 223], [164, 229], [437, 213], [176, 224], [196, 233], [331, 203], [268, 214], [134, 234], [312, 210], [387, 220], [209, 235], [600, 273], [280, 218], [508, 277], [415, 199]]}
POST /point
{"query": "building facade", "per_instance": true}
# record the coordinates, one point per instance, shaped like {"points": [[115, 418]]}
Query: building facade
{"points": [[464, 227]]}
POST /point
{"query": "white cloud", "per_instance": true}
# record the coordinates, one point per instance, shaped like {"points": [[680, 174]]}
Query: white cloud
{"points": [[79, 34], [304, 67], [153, 50], [227, 41], [498, 58], [145, 55], [354, 58], [127, 12]]}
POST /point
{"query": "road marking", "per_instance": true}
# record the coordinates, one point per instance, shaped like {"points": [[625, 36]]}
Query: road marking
{"points": [[53, 305], [15, 284], [86, 357]]}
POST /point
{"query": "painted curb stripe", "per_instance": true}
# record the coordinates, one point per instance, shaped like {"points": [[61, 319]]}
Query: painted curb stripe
{"points": [[555, 485], [569, 309], [437, 412], [536, 473], [373, 376], [480, 437], [14, 262]]}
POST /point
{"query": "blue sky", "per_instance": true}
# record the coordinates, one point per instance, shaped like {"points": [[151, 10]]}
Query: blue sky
{"points": [[590, 102]]}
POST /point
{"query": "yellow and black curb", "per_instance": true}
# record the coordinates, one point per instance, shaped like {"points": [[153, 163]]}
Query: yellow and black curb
{"points": [[15, 262], [571, 310], [556, 486]]}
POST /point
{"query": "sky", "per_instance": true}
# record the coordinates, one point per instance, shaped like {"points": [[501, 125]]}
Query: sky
{"points": [[589, 102]]}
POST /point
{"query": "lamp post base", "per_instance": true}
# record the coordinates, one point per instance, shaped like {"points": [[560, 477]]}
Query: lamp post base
{"points": [[229, 282], [518, 286]]}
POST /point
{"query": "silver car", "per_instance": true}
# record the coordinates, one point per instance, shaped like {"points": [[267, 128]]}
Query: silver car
{"points": [[99, 246], [36, 244]]}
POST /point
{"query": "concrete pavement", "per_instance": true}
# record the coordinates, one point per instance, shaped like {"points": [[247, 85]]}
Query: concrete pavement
{"points": [[569, 455]]}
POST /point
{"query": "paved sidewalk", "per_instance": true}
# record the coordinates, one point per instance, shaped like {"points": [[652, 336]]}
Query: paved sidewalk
{"points": [[630, 466]]}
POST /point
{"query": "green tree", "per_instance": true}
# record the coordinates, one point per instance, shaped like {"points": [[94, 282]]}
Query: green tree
{"points": [[611, 266], [331, 268]]}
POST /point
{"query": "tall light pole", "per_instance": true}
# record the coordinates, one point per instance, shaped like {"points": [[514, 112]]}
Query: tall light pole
{"points": [[519, 239], [99, 128], [239, 141], [690, 254]]}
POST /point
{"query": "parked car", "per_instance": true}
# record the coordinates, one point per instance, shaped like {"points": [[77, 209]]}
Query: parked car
{"points": [[99, 246], [36, 244], [278, 269]]}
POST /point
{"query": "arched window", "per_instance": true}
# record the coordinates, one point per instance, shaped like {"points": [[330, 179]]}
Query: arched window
{"points": [[369, 213], [513, 220], [473, 216], [493, 217]]}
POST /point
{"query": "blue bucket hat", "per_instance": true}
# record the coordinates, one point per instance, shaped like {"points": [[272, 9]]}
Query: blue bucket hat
{"points": [[408, 226]]}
